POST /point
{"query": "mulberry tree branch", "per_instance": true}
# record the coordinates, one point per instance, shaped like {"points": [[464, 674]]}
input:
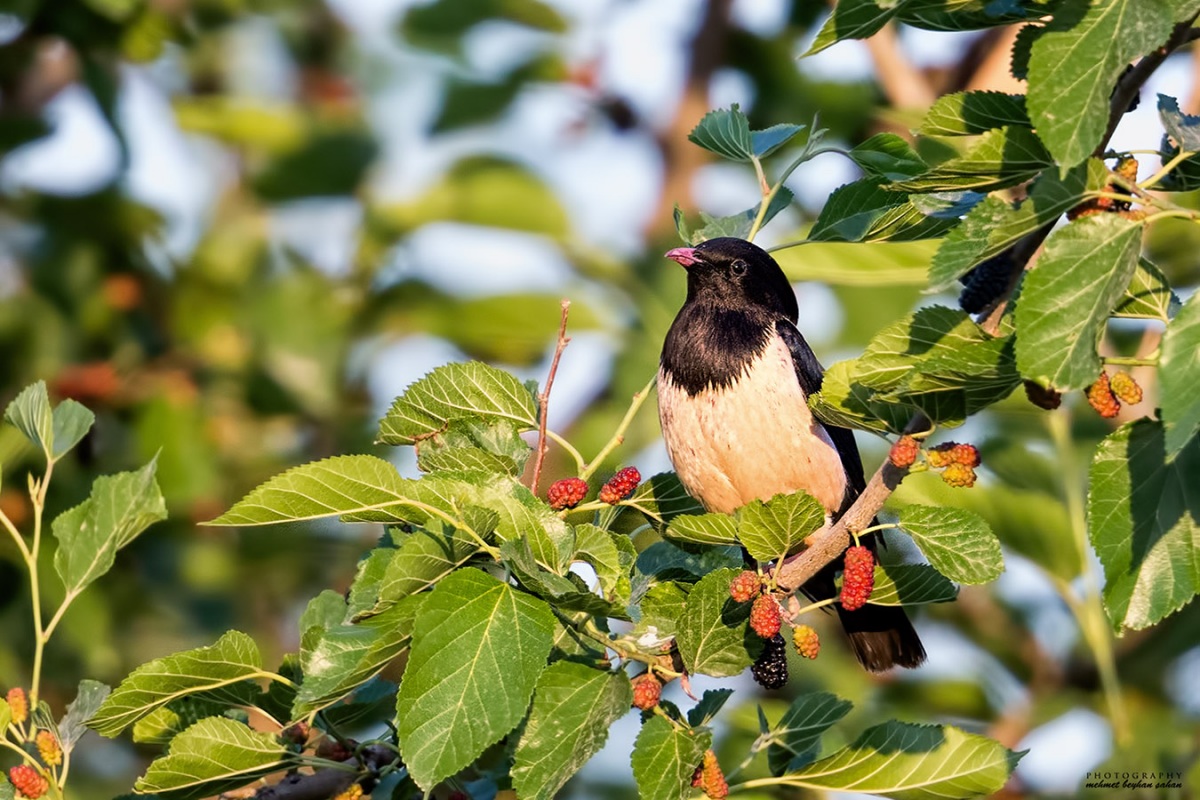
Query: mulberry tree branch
{"points": [[544, 397]]}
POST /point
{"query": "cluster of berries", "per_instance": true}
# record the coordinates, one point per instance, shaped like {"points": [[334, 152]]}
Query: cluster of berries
{"points": [[709, 778], [569, 492], [770, 669], [858, 577], [29, 780], [1107, 393], [1126, 169], [957, 461]]}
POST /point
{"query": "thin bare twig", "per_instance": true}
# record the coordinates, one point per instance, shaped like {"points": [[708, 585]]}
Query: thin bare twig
{"points": [[544, 397], [829, 543]]}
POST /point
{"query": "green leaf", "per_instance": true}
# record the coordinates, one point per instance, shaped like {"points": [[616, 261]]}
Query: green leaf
{"points": [[967, 113], [912, 762], [661, 498], [795, 739], [1148, 295], [714, 633], [70, 423], [566, 592], [853, 19], [739, 225], [871, 264], [725, 132], [30, 413], [773, 529], [664, 758], [887, 156], [957, 542], [423, 558], [845, 402], [1184, 129], [349, 655], [661, 607], [965, 15], [994, 225], [703, 529], [865, 211], [1067, 298], [232, 660], [1002, 157], [478, 649], [573, 708], [766, 142], [213, 756], [89, 535], [599, 548], [1179, 373], [470, 445], [663, 561], [1075, 64], [163, 724], [87, 702], [5, 713], [910, 585], [469, 391], [1142, 521], [710, 704]]}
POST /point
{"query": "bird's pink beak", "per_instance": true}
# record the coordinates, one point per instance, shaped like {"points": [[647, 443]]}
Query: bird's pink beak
{"points": [[686, 256]]}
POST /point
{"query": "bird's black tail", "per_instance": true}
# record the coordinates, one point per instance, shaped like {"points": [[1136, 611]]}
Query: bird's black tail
{"points": [[882, 637]]}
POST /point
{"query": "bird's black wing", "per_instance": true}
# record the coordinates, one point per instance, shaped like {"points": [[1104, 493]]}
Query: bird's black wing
{"points": [[810, 373]]}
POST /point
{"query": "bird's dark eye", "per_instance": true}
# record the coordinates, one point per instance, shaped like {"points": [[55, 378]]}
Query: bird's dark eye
{"points": [[738, 267]]}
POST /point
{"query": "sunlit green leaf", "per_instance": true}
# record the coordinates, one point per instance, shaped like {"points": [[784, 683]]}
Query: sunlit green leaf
{"points": [[965, 113], [1148, 296], [794, 739], [713, 633], [1000, 158], [910, 585], [1142, 522], [775, 528], [725, 132], [664, 758], [213, 756], [1179, 373], [573, 707], [958, 543], [478, 649]]}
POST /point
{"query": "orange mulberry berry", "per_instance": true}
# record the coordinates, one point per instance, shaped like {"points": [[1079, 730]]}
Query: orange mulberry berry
{"points": [[566, 493], [646, 691], [959, 476], [965, 454], [1126, 388], [939, 457], [354, 792], [18, 703], [904, 452], [48, 748], [858, 577], [1100, 397], [745, 586], [708, 776], [806, 641]]}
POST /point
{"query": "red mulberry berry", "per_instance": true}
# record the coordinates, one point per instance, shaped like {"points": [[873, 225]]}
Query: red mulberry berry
{"points": [[966, 454], [1100, 396], [806, 641], [1126, 388], [646, 691], [18, 703], [770, 670], [28, 781], [904, 452], [708, 776], [858, 578], [764, 616], [620, 486], [745, 586], [1041, 396], [959, 476], [566, 493]]}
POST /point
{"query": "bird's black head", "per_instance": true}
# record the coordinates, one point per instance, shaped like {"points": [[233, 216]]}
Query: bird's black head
{"points": [[735, 274]]}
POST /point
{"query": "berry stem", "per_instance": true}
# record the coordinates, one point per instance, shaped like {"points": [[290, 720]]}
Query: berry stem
{"points": [[828, 601], [1179, 158], [1088, 610], [619, 435], [544, 397], [35, 592], [769, 196], [883, 526], [1130, 361]]}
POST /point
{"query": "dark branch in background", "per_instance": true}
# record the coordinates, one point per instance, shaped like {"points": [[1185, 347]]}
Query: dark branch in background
{"points": [[680, 157], [828, 544], [326, 783], [544, 397]]}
